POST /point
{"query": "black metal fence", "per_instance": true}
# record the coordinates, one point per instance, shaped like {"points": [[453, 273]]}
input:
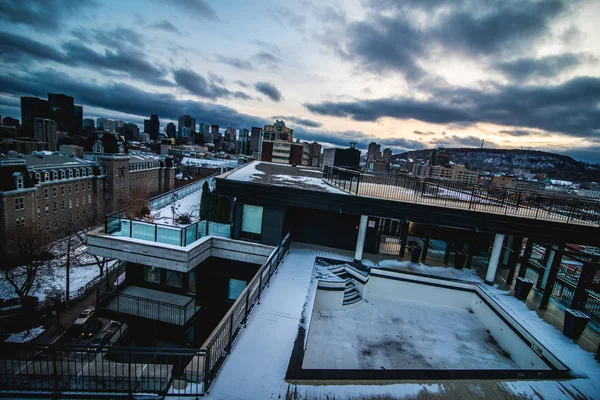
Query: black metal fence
{"points": [[110, 370], [494, 199]]}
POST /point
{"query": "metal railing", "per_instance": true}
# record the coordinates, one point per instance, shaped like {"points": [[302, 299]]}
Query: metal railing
{"points": [[75, 370], [147, 308], [219, 344], [162, 233], [499, 200], [170, 197]]}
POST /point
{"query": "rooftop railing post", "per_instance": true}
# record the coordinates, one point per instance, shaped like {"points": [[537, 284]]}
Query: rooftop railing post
{"points": [[230, 333], [518, 201], [573, 202], [155, 233], [586, 278], [259, 285], [358, 183], [548, 289], [246, 308], [206, 371], [130, 228], [105, 224]]}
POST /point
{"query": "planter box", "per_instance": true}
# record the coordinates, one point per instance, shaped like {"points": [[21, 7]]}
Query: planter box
{"points": [[459, 260], [522, 288], [574, 324]]}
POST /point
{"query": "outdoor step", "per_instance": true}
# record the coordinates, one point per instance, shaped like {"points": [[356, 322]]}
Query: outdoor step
{"points": [[351, 294], [350, 286], [353, 301]]}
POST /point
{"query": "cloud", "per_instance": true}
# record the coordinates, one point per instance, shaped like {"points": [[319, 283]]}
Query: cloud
{"points": [[269, 90], [266, 58], [300, 121], [242, 84], [420, 133], [166, 26], [198, 85], [522, 132], [117, 37], [569, 108], [235, 62], [523, 69], [15, 48], [195, 8], [289, 19], [461, 141], [242, 96], [41, 15]]}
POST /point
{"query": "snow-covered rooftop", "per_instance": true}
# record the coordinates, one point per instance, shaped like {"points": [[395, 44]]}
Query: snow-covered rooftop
{"points": [[274, 174]]}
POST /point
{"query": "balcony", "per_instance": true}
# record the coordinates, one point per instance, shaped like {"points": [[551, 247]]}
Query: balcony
{"points": [[150, 304]]}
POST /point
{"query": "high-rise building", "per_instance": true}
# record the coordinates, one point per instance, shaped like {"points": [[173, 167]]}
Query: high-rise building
{"points": [[243, 142], [374, 152], [171, 130], [45, 131], [230, 134], [88, 123], [256, 134], [214, 131], [78, 120], [186, 122], [314, 150], [10, 121], [101, 124], [387, 155], [32, 108], [129, 131], [346, 158], [152, 127], [278, 131], [63, 107]]}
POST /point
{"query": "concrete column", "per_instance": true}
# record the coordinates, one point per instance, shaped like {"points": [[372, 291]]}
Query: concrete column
{"points": [[494, 258], [547, 270], [360, 240]]}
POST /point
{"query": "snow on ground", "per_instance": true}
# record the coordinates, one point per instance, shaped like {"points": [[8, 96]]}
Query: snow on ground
{"points": [[189, 204], [206, 163], [24, 337], [258, 362], [393, 333]]}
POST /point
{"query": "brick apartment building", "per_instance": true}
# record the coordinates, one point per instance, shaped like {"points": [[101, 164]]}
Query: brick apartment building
{"points": [[55, 190]]}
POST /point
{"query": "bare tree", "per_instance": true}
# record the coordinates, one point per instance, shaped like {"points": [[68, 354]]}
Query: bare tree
{"points": [[135, 205], [24, 250]]}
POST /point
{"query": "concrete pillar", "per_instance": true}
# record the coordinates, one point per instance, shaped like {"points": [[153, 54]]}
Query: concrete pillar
{"points": [[425, 246], [494, 258], [526, 257], [360, 240], [547, 270]]}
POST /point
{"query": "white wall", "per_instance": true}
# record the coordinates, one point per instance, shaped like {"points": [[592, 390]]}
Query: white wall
{"points": [[329, 299]]}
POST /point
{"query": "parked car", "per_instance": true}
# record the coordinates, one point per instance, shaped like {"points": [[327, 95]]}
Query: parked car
{"points": [[85, 315]]}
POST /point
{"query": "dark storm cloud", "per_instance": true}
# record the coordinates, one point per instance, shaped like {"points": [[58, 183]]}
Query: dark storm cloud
{"points": [[569, 108], [196, 8], [235, 62], [522, 132], [198, 85], [391, 39], [41, 15], [166, 26], [15, 48], [129, 61], [524, 69], [300, 121], [458, 141], [421, 133], [269, 90], [124, 98]]}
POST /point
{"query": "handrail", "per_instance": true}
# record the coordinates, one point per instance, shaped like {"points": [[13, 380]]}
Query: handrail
{"points": [[219, 343], [138, 298]]}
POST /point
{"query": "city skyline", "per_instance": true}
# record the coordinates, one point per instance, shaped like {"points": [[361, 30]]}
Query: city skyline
{"points": [[406, 75]]}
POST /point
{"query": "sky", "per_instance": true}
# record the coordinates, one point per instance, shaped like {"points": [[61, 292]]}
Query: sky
{"points": [[409, 74]]}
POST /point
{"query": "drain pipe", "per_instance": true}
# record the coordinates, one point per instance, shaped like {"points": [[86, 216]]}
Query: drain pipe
{"points": [[360, 240]]}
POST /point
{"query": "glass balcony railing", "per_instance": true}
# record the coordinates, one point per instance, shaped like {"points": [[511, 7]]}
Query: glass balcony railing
{"points": [[177, 235]]}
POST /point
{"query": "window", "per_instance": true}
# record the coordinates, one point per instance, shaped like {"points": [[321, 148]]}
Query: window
{"points": [[70, 189], [37, 177], [77, 202], [89, 199], [174, 278], [46, 176], [55, 206], [48, 225], [70, 173], [19, 181], [39, 212], [77, 188], [252, 222], [89, 172], [236, 287], [82, 171], [62, 190], [77, 173], [54, 175], [89, 185], [192, 281], [98, 148], [63, 204], [54, 192], [46, 193], [83, 187], [19, 203], [20, 222], [70, 203], [151, 274], [62, 174]]}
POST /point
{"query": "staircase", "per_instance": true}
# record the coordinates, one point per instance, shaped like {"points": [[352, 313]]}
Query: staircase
{"points": [[351, 294]]}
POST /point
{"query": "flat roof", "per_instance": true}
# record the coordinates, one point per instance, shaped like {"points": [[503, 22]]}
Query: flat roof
{"points": [[274, 174]]}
